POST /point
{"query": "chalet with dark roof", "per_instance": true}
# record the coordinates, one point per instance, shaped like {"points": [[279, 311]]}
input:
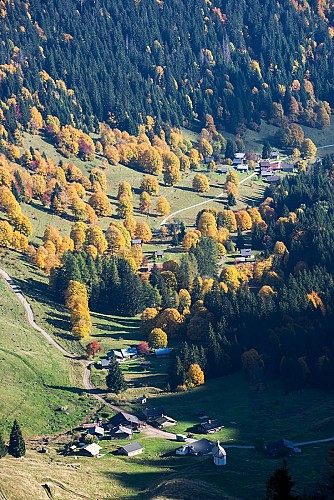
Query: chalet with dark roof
{"points": [[124, 419], [209, 427], [279, 449]]}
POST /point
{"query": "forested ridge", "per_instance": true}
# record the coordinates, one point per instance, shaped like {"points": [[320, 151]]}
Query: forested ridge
{"points": [[173, 60]]}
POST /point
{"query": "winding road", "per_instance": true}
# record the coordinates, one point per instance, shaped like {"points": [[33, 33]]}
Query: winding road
{"points": [[202, 202], [148, 430]]}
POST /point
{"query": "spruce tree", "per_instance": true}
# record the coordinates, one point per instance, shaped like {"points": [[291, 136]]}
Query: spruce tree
{"points": [[17, 446], [3, 447], [115, 379], [280, 484]]}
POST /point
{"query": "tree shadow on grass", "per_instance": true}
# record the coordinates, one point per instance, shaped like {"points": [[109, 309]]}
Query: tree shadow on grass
{"points": [[59, 322]]}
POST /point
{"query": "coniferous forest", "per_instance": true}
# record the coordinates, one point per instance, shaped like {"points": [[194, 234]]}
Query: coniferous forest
{"points": [[177, 61]]}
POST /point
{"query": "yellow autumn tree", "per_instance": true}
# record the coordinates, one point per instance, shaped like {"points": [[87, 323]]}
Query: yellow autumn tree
{"points": [[157, 338], [207, 224], [150, 184], [195, 375], [143, 232], [243, 219], [201, 183], [99, 201], [162, 207], [148, 319]]}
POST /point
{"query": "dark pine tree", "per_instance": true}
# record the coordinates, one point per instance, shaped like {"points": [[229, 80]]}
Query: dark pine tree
{"points": [[280, 484], [115, 379], [266, 150], [231, 201], [17, 446]]}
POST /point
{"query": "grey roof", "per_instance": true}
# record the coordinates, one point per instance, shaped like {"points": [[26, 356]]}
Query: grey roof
{"points": [[120, 429], [124, 418], [132, 447], [201, 447], [280, 448]]}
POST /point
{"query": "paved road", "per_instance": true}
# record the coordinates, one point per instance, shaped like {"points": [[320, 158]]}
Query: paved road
{"points": [[202, 202], [149, 430]]}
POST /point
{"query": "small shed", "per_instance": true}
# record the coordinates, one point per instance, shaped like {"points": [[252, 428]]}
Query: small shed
{"points": [[219, 454], [246, 252], [105, 363], [159, 254], [92, 449], [239, 156], [96, 431], [274, 155], [143, 399], [162, 352], [131, 450], [222, 170], [136, 241]]}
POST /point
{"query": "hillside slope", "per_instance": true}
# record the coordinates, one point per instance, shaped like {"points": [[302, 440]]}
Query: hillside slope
{"points": [[36, 380]]}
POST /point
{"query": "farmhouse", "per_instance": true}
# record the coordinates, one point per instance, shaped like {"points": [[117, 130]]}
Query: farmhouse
{"points": [[96, 431], [120, 432], [159, 254], [201, 447], [154, 413], [273, 179], [237, 161], [279, 449], [131, 449], [239, 156], [222, 170], [274, 155], [243, 168], [92, 449], [288, 167], [209, 427], [163, 422], [126, 420]]}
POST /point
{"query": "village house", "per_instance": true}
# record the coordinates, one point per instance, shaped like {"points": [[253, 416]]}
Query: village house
{"points": [[222, 170], [273, 179], [209, 427], [288, 168], [154, 413], [243, 168], [239, 156], [126, 420], [237, 161], [131, 450], [274, 155], [96, 431], [93, 449], [164, 421], [201, 447], [279, 449], [121, 432], [159, 254]]}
